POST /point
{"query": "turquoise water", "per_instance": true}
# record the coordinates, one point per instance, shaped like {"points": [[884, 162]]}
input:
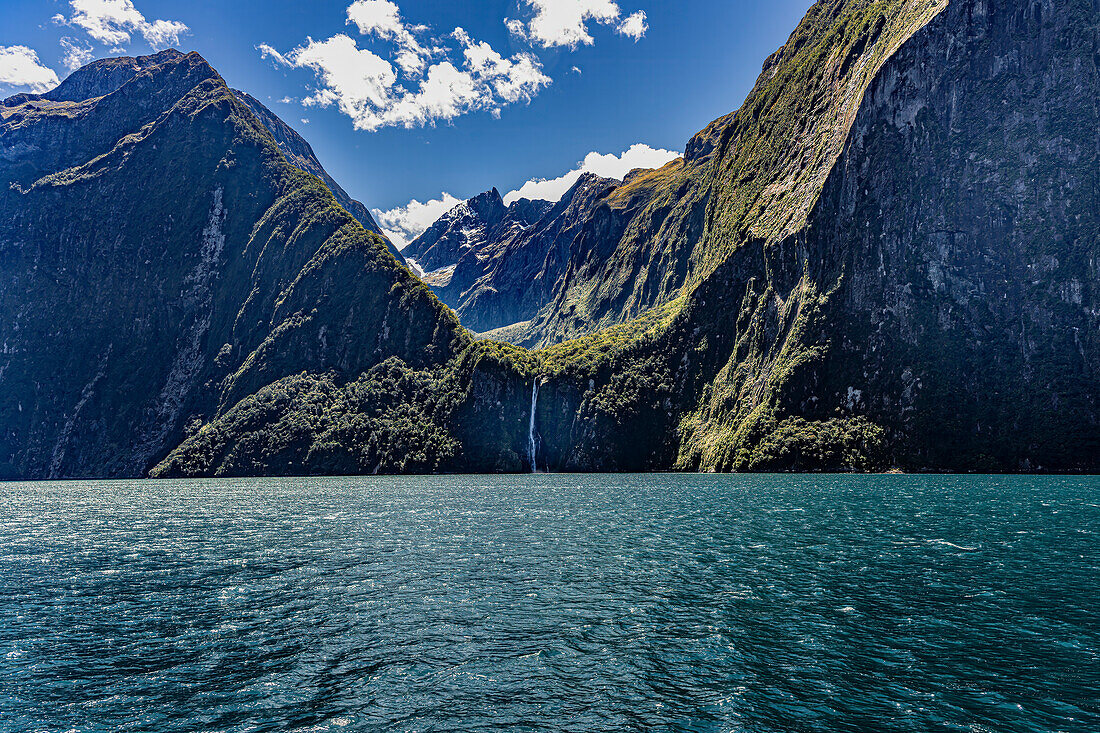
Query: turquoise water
{"points": [[557, 603]]}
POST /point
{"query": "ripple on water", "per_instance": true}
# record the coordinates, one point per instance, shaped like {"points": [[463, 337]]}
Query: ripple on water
{"points": [[567, 603]]}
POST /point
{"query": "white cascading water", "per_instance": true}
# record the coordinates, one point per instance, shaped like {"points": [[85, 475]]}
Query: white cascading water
{"points": [[532, 446]]}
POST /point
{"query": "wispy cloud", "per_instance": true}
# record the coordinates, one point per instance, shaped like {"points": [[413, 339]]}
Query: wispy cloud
{"points": [[566, 22], [112, 23], [405, 223], [20, 67], [417, 84]]}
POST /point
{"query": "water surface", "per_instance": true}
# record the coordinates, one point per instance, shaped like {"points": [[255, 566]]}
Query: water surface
{"points": [[558, 603]]}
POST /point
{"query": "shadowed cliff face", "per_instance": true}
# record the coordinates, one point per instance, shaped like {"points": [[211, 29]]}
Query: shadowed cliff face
{"points": [[964, 213], [937, 308], [887, 256], [299, 153], [160, 258]]}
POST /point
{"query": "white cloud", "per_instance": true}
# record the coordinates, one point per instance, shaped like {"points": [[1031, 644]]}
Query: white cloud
{"points": [[382, 18], [267, 49], [76, 54], [20, 67], [634, 26], [367, 87], [638, 155], [358, 81], [111, 22], [515, 79], [406, 223], [516, 28], [376, 16], [565, 22]]}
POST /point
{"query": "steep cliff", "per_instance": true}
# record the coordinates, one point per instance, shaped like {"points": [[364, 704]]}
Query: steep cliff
{"points": [[908, 280], [161, 259], [753, 173], [300, 153], [887, 256]]}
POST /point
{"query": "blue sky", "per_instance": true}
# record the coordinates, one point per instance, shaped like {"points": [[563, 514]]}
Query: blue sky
{"points": [[401, 107]]}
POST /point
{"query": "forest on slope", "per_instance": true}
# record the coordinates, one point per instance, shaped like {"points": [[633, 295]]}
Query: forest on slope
{"points": [[887, 257]]}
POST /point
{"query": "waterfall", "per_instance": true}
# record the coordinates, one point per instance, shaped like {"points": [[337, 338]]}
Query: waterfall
{"points": [[532, 446]]}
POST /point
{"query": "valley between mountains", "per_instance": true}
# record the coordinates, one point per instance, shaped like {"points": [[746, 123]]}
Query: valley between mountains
{"points": [[887, 257]]}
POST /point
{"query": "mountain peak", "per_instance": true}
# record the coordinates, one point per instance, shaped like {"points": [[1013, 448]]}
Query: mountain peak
{"points": [[464, 227], [106, 75], [488, 205]]}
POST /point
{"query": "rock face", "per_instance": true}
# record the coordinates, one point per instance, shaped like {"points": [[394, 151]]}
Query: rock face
{"points": [[962, 230], [888, 256], [160, 259], [299, 153], [463, 229], [506, 261], [516, 274]]}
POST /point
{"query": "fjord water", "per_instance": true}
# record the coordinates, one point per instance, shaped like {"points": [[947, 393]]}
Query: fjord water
{"points": [[566, 603]]}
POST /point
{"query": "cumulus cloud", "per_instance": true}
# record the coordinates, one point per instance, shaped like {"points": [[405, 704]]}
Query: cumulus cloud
{"points": [[112, 23], [409, 90], [358, 81], [513, 79], [634, 26], [20, 67], [406, 223], [638, 155], [382, 18], [565, 22]]}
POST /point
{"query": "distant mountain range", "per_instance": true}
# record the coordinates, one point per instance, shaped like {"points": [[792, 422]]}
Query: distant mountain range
{"points": [[888, 256]]}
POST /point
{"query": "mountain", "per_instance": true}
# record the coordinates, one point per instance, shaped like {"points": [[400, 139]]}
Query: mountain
{"points": [[160, 259], [464, 228], [514, 274], [886, 257], [497, 265], [894, 262], [299, 153]]}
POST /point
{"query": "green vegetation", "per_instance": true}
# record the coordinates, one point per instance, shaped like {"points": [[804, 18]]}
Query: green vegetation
{"points": [[884, 258], [392, 419]]}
